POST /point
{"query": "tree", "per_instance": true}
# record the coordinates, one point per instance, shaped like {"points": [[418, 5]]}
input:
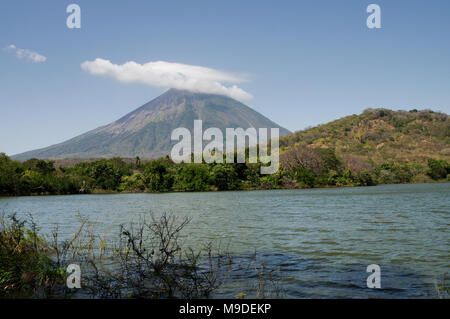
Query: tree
{"points": [[40, 166], [192, 177], [105, 174], [10, 172], [304, 156], [157, 177], [304, 176], [132, 183], [224, 177], [329, 159], [438, 168]]}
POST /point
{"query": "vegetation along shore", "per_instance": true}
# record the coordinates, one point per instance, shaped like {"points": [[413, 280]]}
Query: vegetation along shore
{"points": [[377, 147]]}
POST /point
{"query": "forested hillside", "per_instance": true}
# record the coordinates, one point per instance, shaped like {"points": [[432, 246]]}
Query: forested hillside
{"points": [[381, 135]]}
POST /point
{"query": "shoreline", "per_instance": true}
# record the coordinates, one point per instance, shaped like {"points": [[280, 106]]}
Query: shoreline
{"points": [[108, 192]]}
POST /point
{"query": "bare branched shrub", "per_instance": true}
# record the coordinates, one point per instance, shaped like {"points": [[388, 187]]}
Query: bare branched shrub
{"points": [[149, 261], [79, 248], [304, 156], [356, 163], [263, 280]]}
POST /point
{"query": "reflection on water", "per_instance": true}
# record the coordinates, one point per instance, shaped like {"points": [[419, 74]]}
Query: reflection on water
{"points": [[322, 239]]}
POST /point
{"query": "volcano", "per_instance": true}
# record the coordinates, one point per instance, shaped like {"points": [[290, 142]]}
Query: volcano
{"points": [[146, 131]]}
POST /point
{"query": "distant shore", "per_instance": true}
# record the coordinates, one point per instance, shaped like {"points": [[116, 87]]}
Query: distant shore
{"points": [[112, 192]]}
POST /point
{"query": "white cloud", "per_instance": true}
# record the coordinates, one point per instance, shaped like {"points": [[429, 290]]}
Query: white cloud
{"points": [[172, 75], [26, 54]]}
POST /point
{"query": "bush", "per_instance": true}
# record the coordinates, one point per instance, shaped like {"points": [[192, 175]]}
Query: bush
{"points": [[192, 177], [366, 178], [10, 172], [105, 174], [252, 175], [39, 166], [157, 177], [224, 177], [26, 266], [438, 169], [133, 183], [148, 261], [304, 176], [151, 262], [329, 159], [394, 173]]}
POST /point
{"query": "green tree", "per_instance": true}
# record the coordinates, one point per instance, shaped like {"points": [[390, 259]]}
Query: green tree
{"points": [[329, 159], [10, 172], [192, 177], [132, 183], [224, 177], [40, 166], [157, 177], [103, 174], [438, 168], [304, 176]]}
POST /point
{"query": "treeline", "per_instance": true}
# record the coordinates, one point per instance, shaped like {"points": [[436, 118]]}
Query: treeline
{"points": [[300, 167]]}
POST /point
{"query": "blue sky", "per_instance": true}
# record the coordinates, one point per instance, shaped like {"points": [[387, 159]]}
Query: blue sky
{"points": [[307, 62]]}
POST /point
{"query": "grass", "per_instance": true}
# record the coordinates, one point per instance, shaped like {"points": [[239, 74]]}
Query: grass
{"points": [[26, 265]]}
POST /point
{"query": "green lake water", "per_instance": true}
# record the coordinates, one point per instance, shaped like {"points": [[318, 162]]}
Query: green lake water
{"points": [[320, 240]]}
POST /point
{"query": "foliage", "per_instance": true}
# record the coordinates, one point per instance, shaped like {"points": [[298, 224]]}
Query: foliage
{"points": [[26, 266], [377, 147], [380, 136], [103, 174], [225, 177], [390, 173], [157, 177], [192, 178], [10, 172], [301, 167], [133, 183], [438, 169], [303, 175]]}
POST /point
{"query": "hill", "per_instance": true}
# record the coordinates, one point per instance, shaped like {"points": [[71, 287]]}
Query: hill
{"points": [[380, 135], [377, 146], [146, 131]]}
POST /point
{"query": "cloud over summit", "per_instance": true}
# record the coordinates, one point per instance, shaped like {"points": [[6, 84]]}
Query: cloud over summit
{"points": [[172, 75]]}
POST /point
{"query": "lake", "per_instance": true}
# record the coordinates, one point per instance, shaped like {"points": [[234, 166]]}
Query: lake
{"points": [[320, 240]]}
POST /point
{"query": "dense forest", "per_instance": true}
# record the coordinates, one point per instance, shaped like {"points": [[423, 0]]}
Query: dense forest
{"points": [[301, 168], [377, 147]]}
